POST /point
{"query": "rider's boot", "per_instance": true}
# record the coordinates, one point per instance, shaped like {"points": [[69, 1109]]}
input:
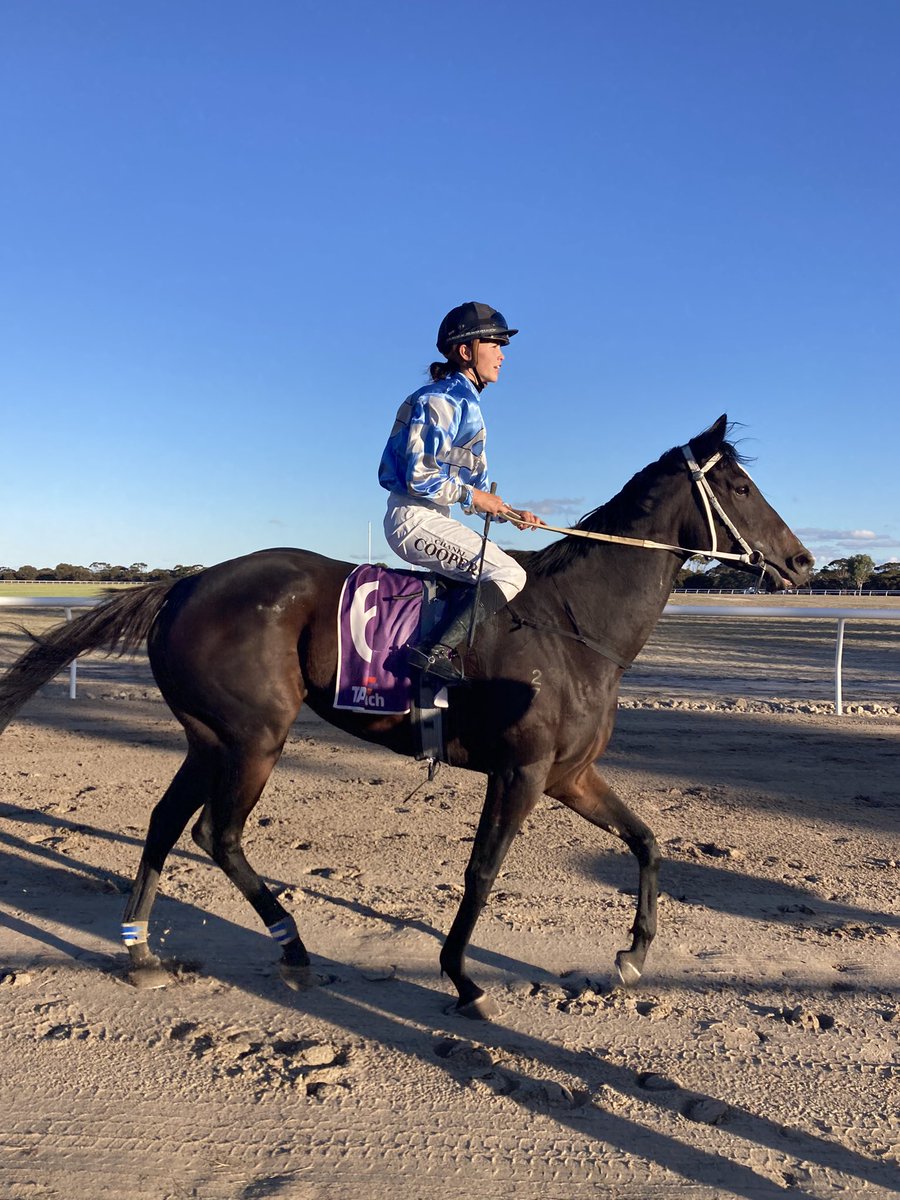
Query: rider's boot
{"points": [[439, 657]]}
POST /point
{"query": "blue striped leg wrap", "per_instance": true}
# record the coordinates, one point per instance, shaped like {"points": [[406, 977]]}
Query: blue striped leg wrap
{"points": [[284, 931], [134, 932]]}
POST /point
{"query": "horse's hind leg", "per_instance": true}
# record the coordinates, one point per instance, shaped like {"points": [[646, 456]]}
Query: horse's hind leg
{"points": [[243, 774], [592, 798], [187, 792]]}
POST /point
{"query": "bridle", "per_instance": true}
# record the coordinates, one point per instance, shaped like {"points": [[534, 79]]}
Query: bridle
{"points": [[754, 558], [708, 501]]}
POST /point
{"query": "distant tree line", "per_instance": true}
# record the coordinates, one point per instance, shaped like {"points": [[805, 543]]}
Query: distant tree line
{"points": [[842, 574], [98, 572]]}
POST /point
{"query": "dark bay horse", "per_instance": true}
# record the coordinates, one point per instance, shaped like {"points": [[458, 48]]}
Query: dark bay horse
{"points": [[237, 648]]}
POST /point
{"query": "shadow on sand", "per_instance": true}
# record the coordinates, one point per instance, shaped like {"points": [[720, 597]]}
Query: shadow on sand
{"points": [[401, 1014]]}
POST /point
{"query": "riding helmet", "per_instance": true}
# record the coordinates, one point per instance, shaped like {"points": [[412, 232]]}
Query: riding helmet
{"points": [[472, 320]]}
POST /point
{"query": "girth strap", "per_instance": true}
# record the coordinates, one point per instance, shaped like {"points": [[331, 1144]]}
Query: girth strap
{"points": [[595, 644]]}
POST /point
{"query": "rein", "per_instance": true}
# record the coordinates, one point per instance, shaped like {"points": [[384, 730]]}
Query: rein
{"points": [[753, 558]]}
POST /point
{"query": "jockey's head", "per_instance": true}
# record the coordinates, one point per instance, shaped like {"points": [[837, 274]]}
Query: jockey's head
{"points": [[470, 337]]}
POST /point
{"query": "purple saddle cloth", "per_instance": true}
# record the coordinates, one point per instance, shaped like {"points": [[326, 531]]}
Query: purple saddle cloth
{"points": [[378, 615]]}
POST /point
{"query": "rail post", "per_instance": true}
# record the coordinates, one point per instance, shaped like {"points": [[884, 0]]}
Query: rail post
{"points": [[73, 668], [838, 660]]}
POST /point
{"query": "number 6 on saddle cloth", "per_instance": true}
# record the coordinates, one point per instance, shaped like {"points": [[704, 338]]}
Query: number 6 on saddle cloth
{"points": [[381, 612]]}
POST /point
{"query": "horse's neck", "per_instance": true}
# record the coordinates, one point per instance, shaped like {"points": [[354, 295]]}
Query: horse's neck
{"points": [[622, 592], [619, 592]]}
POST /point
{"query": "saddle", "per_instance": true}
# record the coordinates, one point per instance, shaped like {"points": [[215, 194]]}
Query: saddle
{"points": [[382, 612]]}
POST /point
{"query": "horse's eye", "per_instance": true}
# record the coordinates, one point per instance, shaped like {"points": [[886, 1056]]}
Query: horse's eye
{"points": [[742, 489]]}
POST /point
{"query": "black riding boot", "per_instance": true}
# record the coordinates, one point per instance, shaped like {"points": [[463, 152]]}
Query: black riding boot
{"points": [[439, 656]]}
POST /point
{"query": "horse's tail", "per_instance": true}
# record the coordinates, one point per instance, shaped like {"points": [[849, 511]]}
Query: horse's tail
{"points": [[123, 622]]}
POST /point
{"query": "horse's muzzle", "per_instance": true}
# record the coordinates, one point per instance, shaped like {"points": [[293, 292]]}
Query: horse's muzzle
{"points": [[794, 573]]}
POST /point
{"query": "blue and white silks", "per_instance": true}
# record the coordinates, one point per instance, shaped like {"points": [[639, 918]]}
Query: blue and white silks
{"points": [[436, 449]]}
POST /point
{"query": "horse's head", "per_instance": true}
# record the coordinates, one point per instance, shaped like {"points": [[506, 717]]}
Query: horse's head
{"points": [[731, 514]]}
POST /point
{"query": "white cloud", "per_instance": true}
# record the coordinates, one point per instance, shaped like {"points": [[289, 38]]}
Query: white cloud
{"points": [[848, 539], [551, 507], [829, 544], [832, 535]]}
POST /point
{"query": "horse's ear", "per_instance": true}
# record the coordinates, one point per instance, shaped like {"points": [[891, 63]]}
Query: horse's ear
{"points": [[707, 443]]}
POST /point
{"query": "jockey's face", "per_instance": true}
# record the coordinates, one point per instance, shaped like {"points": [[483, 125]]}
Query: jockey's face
{"points": [[489, 358]]}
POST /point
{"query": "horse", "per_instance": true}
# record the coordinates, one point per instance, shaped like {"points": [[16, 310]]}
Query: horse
{"points": [[237, 648]]}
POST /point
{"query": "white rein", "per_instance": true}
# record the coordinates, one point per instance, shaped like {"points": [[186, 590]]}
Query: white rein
{"points": [[698, 474]]}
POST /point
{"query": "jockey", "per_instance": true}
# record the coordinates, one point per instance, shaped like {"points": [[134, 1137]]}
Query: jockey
{"points": [[435, 458]]}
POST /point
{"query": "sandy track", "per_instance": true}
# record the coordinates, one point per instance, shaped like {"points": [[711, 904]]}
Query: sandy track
{"points": [[755, 1059]]}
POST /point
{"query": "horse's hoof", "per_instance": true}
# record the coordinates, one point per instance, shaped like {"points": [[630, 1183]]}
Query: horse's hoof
{"points": [[297, 978], [629, 973], [482, 1008], [153, 975]]}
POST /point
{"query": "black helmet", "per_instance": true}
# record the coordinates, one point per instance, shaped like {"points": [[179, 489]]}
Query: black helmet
{"points": [[469, 321]]}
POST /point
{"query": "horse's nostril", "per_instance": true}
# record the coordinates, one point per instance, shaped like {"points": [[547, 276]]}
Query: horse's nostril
{"points": [[802, 562]]}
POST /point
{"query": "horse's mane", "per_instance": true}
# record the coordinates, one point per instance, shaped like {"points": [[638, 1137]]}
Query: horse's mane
{"points": [[617, 514]]}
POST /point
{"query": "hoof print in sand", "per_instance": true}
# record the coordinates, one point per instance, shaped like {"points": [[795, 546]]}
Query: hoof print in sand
{"points": [[66, 1032], [706, 1110], [651, 1081], [268, 1060], [10, 978], [806, 1019], [468, 1058], [545, 1094]]}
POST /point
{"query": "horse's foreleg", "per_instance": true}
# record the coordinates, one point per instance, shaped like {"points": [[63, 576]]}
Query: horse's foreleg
{"points": [[186, 793], [219, 832], [510, 798], [592, 798]]}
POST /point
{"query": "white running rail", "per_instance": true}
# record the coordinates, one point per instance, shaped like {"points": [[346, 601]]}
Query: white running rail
{"points": [[745, 611], [66, 603], [841, 615]]}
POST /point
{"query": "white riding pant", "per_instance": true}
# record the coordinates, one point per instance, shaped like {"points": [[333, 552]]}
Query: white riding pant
{"points": [[425, 535]]}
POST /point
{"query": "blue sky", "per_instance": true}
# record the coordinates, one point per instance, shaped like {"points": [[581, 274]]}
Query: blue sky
{"points": [[230, 232]]}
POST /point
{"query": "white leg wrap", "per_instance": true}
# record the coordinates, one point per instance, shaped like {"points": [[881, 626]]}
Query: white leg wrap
{"points": [[284, 931], [134, 932]]}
